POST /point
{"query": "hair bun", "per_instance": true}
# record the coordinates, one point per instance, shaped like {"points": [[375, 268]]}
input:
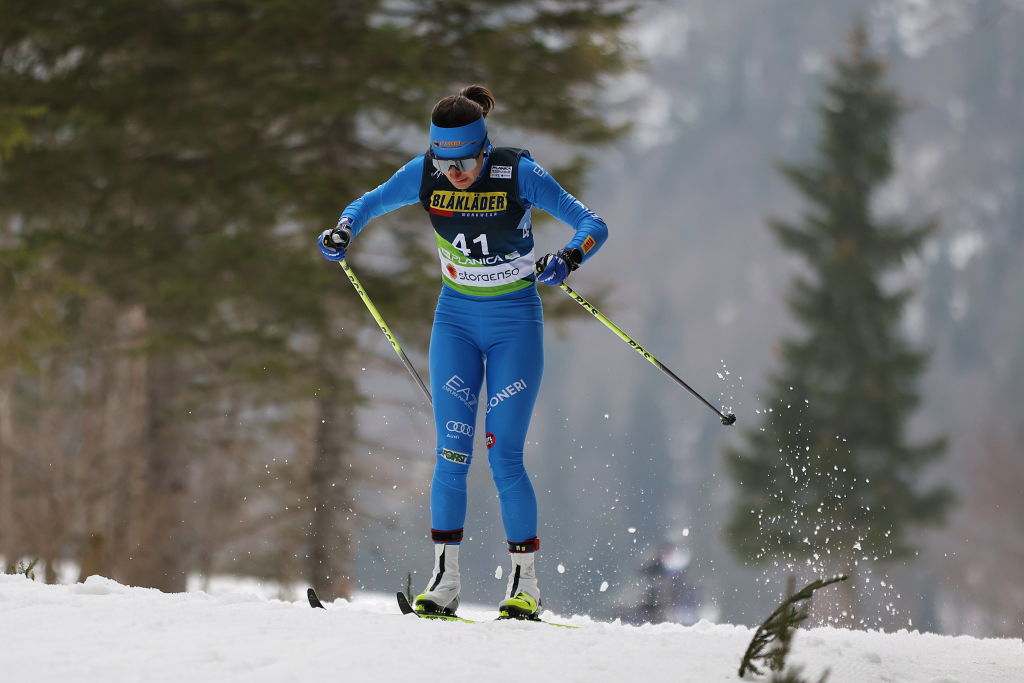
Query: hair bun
{"points": [[481, 95]]}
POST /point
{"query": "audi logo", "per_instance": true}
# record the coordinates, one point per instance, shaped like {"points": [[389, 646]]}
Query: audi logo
{"points": [[459, 428]]}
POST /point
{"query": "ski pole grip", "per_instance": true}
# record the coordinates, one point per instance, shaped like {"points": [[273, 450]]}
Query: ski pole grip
{"points": [[338, 238]]}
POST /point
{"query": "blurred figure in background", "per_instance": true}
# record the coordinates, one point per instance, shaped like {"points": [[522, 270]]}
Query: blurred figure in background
{"points": [[664, 591], [670, 595]]}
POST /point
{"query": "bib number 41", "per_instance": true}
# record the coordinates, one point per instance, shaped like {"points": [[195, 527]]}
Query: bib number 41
{"points": [[460, 243]]}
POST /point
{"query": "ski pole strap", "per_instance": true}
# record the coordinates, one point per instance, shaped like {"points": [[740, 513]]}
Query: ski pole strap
{"points": [[531, 545], [454, 536]]}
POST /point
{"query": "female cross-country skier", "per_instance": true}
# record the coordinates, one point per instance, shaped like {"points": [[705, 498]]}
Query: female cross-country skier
{"points": [[488, 322]]}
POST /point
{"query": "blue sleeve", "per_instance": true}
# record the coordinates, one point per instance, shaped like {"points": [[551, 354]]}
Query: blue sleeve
{"points": [[538, 188], [401, 189]]}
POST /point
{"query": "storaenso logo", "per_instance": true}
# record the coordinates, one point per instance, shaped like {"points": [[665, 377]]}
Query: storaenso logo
{"points": [[459, 428], [455, 456], [494, 276]]}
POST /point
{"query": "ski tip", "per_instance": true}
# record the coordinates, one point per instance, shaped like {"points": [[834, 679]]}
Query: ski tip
{"points": [[314, 600], [403, 603]]}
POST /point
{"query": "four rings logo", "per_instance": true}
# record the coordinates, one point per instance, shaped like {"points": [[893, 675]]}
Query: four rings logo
{"points": [[459, 428]]}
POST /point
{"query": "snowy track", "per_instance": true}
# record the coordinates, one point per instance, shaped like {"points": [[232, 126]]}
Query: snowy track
{"points": [[101, 631]]}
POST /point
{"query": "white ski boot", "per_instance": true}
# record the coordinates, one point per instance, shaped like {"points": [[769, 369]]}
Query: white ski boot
{"points": [[522, 598], [442, 594]]}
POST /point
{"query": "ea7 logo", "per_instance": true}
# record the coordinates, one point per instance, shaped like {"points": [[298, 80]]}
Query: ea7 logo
{"points": [[459, 428], [457, 388]]}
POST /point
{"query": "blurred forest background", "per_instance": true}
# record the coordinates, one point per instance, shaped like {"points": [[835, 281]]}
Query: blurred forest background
{"points": [[187, 389]]}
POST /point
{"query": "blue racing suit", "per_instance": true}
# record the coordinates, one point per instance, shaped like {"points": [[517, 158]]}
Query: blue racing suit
{"points": [[488, 322]]}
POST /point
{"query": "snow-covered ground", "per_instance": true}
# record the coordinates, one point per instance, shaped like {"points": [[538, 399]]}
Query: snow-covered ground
{"points": [[103, 631]]}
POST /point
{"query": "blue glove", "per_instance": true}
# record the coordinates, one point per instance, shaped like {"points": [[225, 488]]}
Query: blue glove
{"points": [[552, 269], [334, 241]]}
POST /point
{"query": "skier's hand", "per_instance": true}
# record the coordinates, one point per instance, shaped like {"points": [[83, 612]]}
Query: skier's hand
{"points": [[334, 241], [552, 269]]}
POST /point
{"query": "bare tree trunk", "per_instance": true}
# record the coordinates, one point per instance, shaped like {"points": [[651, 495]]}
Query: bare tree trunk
{"points": [[91, 463], [52, 525], [123, 433], [216, 478], [332, 527], [32, 514], [92, 560], [114, 449], [158, 557], [8, 452]]}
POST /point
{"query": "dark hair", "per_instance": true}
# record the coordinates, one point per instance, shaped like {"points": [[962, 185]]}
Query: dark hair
{"points": [[471, 103]]}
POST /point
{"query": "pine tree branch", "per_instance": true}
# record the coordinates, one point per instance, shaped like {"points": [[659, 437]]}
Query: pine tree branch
{"points": [[781, 626]]}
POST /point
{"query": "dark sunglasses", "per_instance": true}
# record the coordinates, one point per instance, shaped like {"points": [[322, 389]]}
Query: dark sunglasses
{"points": [[462, 165]]}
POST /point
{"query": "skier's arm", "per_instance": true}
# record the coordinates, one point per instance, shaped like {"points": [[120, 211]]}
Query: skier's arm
{"points": [[538, 188], [401, 189]]}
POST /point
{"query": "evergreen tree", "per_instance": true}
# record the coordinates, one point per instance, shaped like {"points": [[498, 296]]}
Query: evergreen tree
{"points": [[830, 478]]}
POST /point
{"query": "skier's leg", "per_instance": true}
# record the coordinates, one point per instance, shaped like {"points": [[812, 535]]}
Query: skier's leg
{"points": [[515, 364], [456, 372]]}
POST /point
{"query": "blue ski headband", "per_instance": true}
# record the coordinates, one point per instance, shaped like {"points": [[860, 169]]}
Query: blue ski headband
{"points": [[460, 142]]}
